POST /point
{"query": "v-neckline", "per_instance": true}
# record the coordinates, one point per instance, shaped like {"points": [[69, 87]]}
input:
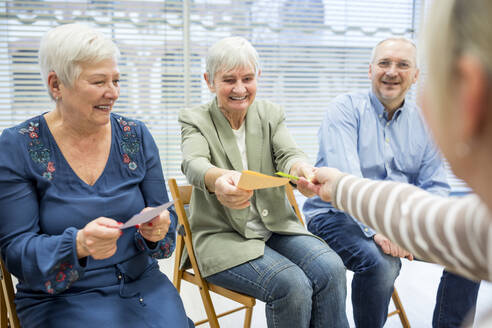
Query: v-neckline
{"points": [[50, 135]]}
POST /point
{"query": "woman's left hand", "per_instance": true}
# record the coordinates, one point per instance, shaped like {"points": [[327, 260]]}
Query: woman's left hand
{"points": [[156, 229]]}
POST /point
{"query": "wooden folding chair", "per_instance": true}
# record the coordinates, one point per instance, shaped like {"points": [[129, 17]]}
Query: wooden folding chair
{"points": [[181, 196], [399, 310], [8, 316]]}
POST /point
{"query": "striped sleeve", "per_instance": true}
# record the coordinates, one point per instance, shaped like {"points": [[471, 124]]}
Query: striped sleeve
{"points": [[454, 232]]}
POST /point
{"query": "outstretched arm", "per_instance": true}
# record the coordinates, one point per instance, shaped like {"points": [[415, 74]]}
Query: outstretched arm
{"points": [[454, 232]]}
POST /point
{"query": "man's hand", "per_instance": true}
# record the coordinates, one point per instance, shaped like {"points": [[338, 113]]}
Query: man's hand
{"points": [[391, 248], [228, 194]]}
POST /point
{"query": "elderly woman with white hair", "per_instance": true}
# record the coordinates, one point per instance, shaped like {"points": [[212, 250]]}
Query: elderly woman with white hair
{"points": [[454, 232], [69, 179], [252, 242]]}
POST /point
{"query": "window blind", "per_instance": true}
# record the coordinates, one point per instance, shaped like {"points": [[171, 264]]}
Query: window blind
{"points": [[310, 52]]}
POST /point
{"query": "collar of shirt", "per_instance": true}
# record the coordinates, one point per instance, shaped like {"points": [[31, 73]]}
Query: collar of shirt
{"points": [[380, 110]]}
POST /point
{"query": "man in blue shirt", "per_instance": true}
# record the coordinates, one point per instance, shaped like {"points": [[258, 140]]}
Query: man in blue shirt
{"points": [[375, 134]]}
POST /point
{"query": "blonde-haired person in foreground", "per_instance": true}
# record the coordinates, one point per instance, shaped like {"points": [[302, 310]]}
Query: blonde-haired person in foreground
{"points": [[69, 179], [455, 232]]}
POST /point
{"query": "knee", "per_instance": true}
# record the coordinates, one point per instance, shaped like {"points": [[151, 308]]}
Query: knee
{"points": [[330, 270], [292, 286], [385, 269]]}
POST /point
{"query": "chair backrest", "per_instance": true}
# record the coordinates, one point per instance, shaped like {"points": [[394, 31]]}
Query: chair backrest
{"points": [[181, 196], [8, 316]]}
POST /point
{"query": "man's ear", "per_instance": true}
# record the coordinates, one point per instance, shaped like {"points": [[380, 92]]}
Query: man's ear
{"points": [[472, 87], [416, 76], [54, 85], [369, 73], [210, 85]]}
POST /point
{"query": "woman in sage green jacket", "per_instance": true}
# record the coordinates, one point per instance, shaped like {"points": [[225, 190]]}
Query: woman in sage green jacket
{"points": [[252, 242]]}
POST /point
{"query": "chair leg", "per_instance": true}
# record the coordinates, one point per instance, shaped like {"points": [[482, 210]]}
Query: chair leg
{"points": [[209, 307], [247, 317], [401, 311], [3, 310], [178, 274]]}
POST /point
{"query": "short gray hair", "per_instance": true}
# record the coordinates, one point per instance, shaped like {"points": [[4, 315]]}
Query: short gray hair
{"points": [[455, 28], [65, 47], [394, 38], [229, 53]]}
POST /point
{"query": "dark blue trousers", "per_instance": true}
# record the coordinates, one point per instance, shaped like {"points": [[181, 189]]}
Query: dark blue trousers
{"points": [[455, 302]]}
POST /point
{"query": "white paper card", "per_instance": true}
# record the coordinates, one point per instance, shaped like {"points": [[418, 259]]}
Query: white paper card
{"points": [[146, 216]]}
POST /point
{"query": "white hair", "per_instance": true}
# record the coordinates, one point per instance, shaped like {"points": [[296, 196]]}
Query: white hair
{"points": [[229, 53], [455, 28], [65, 47], [393, 38]]}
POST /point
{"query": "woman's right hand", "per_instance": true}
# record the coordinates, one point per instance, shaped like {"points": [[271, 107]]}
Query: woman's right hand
{"points": [[228, 194], [98, 238]]}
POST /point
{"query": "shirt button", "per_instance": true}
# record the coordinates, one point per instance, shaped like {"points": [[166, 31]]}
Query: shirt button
{"points": [[387, 139], [140, 299], [264, 212], [119, 277], [380, 115], [366, 230], [387, 124]]}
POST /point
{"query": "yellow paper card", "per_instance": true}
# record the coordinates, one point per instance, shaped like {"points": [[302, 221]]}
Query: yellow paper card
{"points": [[251, 180]]}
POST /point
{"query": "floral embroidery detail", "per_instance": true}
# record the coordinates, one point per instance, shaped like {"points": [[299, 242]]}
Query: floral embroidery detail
{"points": [[60, 276], [162, 250], [141, 244], [130, 144], [50, 167], [38, 152], [49, 289], [64, 276]]}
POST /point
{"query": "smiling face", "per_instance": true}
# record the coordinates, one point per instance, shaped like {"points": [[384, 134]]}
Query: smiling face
{"points": [[235, 89], [93, 94], [393, 71]]}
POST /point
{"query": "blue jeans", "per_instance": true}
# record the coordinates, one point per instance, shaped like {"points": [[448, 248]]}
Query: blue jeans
{"points": [[456, 300], [374, 272], [301, 280]]}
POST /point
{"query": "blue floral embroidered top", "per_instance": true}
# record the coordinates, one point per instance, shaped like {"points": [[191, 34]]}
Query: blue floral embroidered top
{"points": [[43, 203]]}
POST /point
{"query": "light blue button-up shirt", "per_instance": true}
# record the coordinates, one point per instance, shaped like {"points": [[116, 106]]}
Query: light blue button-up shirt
{"points": [[356, 137]]}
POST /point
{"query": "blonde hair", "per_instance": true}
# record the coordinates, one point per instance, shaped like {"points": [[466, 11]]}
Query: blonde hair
{"points": [[229, 53], [65, 47], [455, 28]]}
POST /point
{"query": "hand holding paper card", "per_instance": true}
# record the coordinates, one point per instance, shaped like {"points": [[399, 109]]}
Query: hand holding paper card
{"points": [[146, 216], [285, 175], [251, 180]]}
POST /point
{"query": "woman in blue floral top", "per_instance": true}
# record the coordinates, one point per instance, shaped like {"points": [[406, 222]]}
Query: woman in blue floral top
{"points": [[68, 179]]}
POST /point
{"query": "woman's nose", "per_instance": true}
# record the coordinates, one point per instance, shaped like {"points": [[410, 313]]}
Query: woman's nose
{"points": [[112, 92], [239, 87]]}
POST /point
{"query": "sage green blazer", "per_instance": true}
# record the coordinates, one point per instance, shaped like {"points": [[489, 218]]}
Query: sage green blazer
{"points": [[219, 233]]}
